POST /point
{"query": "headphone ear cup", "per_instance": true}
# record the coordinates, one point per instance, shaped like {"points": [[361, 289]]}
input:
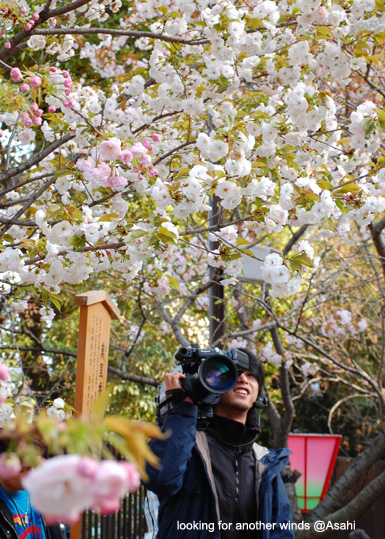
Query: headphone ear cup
{"points": [[263, 399]]}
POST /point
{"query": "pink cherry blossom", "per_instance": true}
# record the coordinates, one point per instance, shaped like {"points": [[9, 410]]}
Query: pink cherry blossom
{"points": [[133, 476], [125, 156], [104, 170], [35, 82], [28, 26], [84, 165], [62, 487], [107, 507], [145, 160], [110, 149], [117, 181], [16, 75], [70, 104], [51, 109], [4, 372], [25, 119], [138, 149], [35, 16], [36, 120], [156, 137], [109, 484], [57, 488], [25, 87], [10, 465], [87, 467], [7, 45]]}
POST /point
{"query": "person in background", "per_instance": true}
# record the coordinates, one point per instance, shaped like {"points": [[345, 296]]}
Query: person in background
{"points": [[18, 519]]}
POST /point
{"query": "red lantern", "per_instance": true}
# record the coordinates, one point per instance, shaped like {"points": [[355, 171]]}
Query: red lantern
{"points": [[314, 455]]}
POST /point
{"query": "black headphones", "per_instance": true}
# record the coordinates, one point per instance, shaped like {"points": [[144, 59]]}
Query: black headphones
{"points": [[262, 399]]}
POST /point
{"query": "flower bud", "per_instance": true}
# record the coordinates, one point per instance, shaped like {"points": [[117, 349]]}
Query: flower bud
{"points": [[16, 75], [35, 82]]}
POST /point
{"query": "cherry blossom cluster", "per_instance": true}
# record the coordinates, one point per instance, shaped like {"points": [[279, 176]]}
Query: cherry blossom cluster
{"points": [[58, 410], [62, 487], [238, 101]]}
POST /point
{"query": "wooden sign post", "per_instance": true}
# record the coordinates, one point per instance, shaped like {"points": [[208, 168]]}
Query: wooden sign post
{"points": [[96, 311]]}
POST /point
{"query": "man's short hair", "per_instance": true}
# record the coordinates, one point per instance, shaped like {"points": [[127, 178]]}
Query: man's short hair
{"points": [[255, 367]]}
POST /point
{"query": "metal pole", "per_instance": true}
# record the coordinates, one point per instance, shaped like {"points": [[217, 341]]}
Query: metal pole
{"points": [[216, 291]]}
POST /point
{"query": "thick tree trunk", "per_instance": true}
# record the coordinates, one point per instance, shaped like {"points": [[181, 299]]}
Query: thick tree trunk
{"points": [[348, 514], [335, 498]]}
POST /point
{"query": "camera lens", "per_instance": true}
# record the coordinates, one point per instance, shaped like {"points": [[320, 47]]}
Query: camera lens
{"points": [[218, 374]]}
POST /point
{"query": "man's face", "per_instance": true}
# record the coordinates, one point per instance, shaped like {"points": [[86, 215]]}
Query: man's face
{"points": [[236, 403], [13, 484]]}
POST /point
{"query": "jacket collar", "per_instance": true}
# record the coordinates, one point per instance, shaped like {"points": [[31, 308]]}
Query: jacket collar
{"points": [[231, 432]]}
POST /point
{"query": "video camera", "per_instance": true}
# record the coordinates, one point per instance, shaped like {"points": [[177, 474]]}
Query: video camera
{"points": [[209, 374]]}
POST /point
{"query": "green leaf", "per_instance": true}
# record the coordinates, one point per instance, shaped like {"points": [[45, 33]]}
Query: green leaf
{"points": [[101, 404], [300, 259], [381, 123], [324, 32], [56, 302], [108, 217], [27, 243], [77, 242], [173, 282], [369, 126], [250, 253], [8, 237], [166, 232], [74, 212], [348, 188], [53, 211], [135, 234], [242, 241]]}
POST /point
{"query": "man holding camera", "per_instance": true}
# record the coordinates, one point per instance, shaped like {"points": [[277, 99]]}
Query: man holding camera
{"points": [[217, 482]]}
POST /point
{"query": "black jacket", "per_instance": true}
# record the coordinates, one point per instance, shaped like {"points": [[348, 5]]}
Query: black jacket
{"points": [[7, 528]]}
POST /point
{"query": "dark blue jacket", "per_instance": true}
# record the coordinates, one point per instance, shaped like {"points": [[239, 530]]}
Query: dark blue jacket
{"points": [[186, 490]]}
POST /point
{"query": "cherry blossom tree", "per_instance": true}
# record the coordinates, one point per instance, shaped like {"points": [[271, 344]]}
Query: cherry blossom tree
{"points": [[274, 108]]}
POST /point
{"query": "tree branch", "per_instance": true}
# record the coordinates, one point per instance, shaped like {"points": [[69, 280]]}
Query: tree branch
{"points": [[36, 158], [142, 380], [294, 238], [117, 33], [353, 510], [174, 325], [287, 418]]}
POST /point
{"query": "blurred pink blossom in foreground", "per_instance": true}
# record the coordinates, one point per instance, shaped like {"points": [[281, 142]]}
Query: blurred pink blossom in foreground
{"points": [[64, 486], [4, 372], [10, 465]]}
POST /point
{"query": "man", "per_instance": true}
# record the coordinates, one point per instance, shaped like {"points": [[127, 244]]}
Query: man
{"points": [[18, 519], [218, 483]]}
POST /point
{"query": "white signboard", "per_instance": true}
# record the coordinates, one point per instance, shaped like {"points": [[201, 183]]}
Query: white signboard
{"points": [[252, 266]]}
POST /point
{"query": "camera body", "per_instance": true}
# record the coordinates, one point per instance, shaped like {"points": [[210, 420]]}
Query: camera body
{"points": [[209, 373]]}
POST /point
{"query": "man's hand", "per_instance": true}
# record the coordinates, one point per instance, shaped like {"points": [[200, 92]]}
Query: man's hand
{"points": [[171, 380]]}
